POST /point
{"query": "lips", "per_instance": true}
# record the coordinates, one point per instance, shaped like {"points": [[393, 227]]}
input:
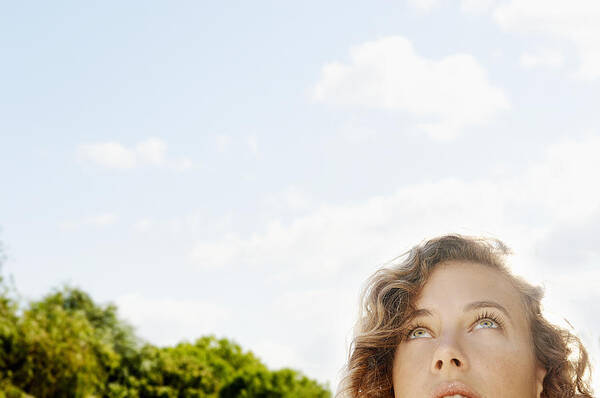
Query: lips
{"points": [[454, 388]]}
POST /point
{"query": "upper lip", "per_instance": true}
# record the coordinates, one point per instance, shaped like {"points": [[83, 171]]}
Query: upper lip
{"points": [[449, 388]]}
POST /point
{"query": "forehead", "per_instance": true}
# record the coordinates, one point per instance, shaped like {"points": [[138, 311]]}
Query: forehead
{"points": [[453, 284]]}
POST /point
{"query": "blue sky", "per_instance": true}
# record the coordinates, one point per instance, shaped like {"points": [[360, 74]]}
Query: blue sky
{"points": [[240, 168]]}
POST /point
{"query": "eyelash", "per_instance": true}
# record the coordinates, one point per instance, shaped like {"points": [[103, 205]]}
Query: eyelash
{"points": [[491, 316], [482, 315]]}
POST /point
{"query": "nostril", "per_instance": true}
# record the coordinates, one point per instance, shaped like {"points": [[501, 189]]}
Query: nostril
{"points": [[439, 364]]}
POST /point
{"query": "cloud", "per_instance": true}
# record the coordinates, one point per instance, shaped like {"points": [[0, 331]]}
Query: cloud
{"points": [[356, 134], [337, 246], [424, 5], [309, 329], [329, 240], [181, 164], [291, 199], [113, 155], [223, 141], [151, 151], [143, 224], [168, 321], [476, 6], [252, 142], [108, 154], [550, 59], [96, 221], [102, 220], [332, 238], [445, 95], [573, 21], [469, 6], [276, 355], [562, 184], [570, 243]]}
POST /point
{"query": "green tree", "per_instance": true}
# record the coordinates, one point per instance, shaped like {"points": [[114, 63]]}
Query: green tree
{"points": [[190, 370], [60, 352], [259, 382], [64, 345], [114, 336], [215, 368], [9, 337], [67, 345]]}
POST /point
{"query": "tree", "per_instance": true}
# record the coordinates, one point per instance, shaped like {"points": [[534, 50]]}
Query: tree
{"points": [[60, 352], [67, 345], [64, 345], [201, 369], [259, 382], [9, 337]]}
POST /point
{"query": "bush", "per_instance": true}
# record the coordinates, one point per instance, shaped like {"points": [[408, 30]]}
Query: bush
{"points": [[67, 345]]}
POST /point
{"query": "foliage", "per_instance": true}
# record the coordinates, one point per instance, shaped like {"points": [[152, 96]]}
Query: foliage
{"points": [[56, 349], [259, 382], [67, 345]]}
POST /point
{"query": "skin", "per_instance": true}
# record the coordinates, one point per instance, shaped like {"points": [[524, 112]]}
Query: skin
{"points": [[496, 362]]}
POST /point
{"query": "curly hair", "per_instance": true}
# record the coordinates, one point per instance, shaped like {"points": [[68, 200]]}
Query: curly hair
{"points": [[386, 307]]}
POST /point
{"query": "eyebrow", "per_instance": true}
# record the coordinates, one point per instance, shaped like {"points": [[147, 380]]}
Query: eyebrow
{"points": [[424, 312]]}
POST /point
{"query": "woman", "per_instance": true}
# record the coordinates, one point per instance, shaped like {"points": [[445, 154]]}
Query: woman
{"points": [[451, 320]]}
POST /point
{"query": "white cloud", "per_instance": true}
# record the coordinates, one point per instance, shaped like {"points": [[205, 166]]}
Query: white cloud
{"points": [[143, 224], [497, 53], [113, 155], [557, 190], [291, 199], [223, 141], [310, 328], [476, 6], [562, 185], [323, 242], [181, 164], [102, 220], [340, 245], [573, 21], [96, 221], [469, 6], [169, 321], [445, 95], [108, 154], [276, 355], [151, 151], [551, 59], [354, 132], [424, 5], [252, 142]]}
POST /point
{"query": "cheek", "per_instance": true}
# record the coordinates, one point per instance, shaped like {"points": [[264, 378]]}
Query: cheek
{"points": [[494, 364], [411, 369], [495, 359], [499, 351]]}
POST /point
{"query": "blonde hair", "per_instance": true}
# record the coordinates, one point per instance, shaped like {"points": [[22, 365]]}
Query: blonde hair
{"points": [[386, 307]]}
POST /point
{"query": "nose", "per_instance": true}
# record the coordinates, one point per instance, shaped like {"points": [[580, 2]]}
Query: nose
{"points": [[448, 356]]}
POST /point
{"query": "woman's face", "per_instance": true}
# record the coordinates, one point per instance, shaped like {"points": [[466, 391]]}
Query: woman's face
{"points": [[473, 331]]}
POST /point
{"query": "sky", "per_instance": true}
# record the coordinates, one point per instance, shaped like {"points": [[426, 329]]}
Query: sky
{"points": [[240, 168]]}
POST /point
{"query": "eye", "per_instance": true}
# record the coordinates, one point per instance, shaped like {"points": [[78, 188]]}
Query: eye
{"points": [[418, 332], [489, 320], [486, 323]]}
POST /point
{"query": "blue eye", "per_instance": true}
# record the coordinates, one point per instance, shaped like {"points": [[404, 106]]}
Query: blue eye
{"points": [[418, 333], [488, 320], [486, 323]]}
